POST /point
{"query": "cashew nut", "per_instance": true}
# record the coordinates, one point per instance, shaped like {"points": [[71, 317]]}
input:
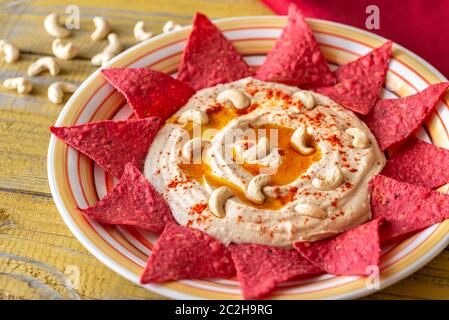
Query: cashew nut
{"points": [[10, 51], [139, 32], [56, 91], [46, 63], [310, 211], [192, 146], [110, 51], [170, 26], [332, 179], [299, 141], [241, 146], [217, 200], [22, 85], [254, 191], [51, 25], [360, 139], [270, 162], [238, 99], [258, 151], [194, 115], [64, 51], [306, 98], [102, 29]]}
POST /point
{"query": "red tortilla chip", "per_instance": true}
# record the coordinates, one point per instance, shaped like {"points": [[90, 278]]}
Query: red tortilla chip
{"points": [[360, 82], [133, 202], [150, 93], [112, 144], [185, 253], [261, 268], [405, 207], [296, 56], [421, 163], [209, 58], [351, 253], [393, 120]]}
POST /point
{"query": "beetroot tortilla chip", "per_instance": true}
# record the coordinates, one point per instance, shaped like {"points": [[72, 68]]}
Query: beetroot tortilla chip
{"points": [[149, 93], [209, 58], [351, 253], [360, 82], [421, 163], [133, 202], [405, 207], [393, 120], [185, 253], [296, 56], [261, 268], [112, 144]]}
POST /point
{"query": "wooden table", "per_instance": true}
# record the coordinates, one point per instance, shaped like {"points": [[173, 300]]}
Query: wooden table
{"points": [[37, 250]]}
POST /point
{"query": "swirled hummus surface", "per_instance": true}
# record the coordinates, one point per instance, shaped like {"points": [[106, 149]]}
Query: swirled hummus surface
{"points": [[312, 160]]}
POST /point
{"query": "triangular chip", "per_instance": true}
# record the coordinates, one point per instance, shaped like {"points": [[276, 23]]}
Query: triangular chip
{"points": [[351, 253], [186, 253], [296, 57], [393, 120], [360, 82], [405, 207], [150, 93], [261, 268], [209, 58], [133, 202], [112, 144], [421, 163]]}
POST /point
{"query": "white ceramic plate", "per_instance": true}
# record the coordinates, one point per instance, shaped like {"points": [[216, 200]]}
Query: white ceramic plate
{"points": [[76, 181]]}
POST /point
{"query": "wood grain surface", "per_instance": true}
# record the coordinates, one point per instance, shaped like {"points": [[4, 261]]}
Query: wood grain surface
{"points": [[39, 257]]}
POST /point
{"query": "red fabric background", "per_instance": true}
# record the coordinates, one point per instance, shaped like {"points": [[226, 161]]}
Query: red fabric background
{"points": [[419, 25]]}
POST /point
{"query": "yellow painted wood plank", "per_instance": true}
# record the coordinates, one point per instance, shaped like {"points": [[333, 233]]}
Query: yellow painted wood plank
{"points": [[23, 23], [24, 122]]}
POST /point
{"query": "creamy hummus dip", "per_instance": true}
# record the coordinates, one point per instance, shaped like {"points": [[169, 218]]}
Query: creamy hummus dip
{"points": [[259, 162]]}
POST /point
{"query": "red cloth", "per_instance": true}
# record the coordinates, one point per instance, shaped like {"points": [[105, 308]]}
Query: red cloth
{"points": [[419, 25]]}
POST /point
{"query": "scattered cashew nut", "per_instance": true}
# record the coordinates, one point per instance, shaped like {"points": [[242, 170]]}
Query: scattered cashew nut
{"points": [[170, 26], [56, 91], [268, 164], [64, 51], [299, 141], [308, 210], [10, 51], [217, 200], [51, 25], [238, 99], [254, 191], [194, 115], [139, 32], [258, 151], [332, 179], [46, 63], [110, 51], [360, 139], [192, 146], [102, 29], [22, 85], [306, 98]]}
